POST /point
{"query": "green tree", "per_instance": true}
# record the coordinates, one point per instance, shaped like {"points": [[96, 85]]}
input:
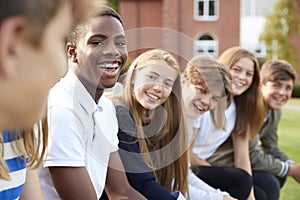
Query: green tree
{"points": [[279, 27], [114, 4]]}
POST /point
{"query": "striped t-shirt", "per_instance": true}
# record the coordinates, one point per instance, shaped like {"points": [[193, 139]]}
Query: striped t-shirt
{"points": [[12, 188]]}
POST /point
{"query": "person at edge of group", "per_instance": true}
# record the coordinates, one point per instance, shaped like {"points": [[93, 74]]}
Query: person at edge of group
{"points": [[204, 86], [32, 60], [82, 156], [243, 118], [152, 128], [277, 81], [270, 165]]}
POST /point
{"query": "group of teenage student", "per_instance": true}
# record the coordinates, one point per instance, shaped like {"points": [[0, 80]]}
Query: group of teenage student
{"points": [[167, 135]]}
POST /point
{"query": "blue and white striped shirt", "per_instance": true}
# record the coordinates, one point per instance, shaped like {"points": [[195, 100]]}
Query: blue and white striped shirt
{"points": [[12, 188]]}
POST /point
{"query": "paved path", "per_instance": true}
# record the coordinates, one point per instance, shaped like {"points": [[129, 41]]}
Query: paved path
{"points": [[292, 107]]}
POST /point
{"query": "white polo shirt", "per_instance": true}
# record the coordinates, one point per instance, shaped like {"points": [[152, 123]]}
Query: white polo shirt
{"points": [[81, 133], [208, 137]]}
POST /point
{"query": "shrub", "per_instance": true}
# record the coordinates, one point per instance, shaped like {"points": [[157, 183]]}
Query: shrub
{"points": [[296, 91]]}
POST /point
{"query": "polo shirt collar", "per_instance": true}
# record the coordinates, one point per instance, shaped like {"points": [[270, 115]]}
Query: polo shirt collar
{"points": [[81, 95]]}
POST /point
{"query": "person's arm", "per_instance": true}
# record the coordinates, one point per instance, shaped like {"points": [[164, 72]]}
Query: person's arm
{"points": [[72, 183], [117, 186], [196, 160], [269, 137], [271, 159], [66, 156], [294, 171], [241, 156], [266, 162], [32, 189], [269, 143], [139, 175]]}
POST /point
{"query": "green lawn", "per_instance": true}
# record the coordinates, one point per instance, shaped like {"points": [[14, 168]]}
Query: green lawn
{"points": [[289, 142]]}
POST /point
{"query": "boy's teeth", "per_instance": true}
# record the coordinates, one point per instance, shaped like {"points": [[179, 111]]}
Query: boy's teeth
{"points": [[109, 65], [199, 107]]}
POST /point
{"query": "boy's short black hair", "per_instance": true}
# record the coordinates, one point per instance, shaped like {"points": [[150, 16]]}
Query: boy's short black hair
{"points": [[79, 28], [108, 11]]}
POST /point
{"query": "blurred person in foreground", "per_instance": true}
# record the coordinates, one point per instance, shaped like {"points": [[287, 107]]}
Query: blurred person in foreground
{"points": [[32, 59]]}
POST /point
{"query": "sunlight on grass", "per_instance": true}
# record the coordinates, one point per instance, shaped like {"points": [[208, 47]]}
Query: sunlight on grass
{"points": [[289, 142]]}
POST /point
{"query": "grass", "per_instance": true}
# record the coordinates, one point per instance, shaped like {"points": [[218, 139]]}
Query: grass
{"points": [[289, 142]]}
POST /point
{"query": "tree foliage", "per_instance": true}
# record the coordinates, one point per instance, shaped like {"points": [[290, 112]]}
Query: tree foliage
{"points": [[279, 27], [114, 4]]}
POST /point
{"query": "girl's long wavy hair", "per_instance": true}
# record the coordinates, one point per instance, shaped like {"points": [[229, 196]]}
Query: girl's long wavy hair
{"points": [[172, 134], [33, 149], [249, 105]]}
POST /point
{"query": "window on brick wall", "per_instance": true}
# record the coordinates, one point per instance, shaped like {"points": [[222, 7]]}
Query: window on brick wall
{"points": [[206, 45], [206, 10]]}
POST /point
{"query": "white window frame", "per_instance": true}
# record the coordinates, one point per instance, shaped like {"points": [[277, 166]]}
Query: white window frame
{"points": [[206, 16], [205, 46]]}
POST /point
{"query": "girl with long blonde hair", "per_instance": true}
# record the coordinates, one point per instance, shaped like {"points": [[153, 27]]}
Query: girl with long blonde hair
{"points": [[152, 128]]}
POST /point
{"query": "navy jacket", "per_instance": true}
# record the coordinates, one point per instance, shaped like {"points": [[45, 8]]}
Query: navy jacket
{"points": [[139, 175]]}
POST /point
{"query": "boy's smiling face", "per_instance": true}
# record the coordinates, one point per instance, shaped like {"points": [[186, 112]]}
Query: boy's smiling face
{"points": [[277, 93], [101, 53], [196, 99]]}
